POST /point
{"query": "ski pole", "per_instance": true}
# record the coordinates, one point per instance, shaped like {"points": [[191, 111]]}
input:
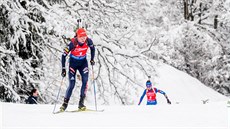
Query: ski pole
{"points": [[94, 88], [58, 94]]}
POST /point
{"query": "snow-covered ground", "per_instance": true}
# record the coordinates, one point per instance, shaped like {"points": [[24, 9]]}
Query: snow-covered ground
{"points": [[186, 116], [182, 88], [186, 112]]}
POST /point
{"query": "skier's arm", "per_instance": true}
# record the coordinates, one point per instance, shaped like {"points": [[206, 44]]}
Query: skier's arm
{"points": [[143, 95], [65, 53], [162, 92], [168, 101]]}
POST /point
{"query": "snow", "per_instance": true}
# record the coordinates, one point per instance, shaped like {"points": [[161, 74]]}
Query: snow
{"points": [[183, 88], [186, 112], [193, 104], [186, 116]]}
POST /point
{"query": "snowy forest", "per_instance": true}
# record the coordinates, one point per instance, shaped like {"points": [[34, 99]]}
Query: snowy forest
{"points": [[129, 36]]}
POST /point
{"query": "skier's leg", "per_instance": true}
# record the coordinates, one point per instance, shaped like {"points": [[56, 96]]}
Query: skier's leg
{"points": [[84, 76], [64, 105], [72, 74]]}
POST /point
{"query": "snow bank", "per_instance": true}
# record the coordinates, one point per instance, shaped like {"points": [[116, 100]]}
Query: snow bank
{"points": [[184, 116]]}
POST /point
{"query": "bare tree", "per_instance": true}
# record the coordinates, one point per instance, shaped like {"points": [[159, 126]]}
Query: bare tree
{"points": [[120, 66]]}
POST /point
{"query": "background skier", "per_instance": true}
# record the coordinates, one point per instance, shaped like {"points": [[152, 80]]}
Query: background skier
{"points": [[32, 99], [77, 48], [151, 94]]}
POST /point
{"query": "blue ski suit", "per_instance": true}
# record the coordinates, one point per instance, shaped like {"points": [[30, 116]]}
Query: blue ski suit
{"points": [[151, 96], [78, 61]]}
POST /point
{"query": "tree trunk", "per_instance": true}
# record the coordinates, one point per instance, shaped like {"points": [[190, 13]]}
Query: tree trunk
{"points": [[186, 12], [215, 22], [200, 13]]}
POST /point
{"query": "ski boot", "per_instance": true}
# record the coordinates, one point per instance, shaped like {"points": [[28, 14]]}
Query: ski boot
{"points": [[64, 105], [81, 105]]}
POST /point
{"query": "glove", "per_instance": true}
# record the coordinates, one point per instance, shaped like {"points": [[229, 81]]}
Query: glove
{"points": [[63, 73], [168, 101], [92, 62]]}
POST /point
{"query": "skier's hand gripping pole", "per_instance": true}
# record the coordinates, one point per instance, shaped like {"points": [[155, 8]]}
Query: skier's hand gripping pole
{"points": [[168, 101]]}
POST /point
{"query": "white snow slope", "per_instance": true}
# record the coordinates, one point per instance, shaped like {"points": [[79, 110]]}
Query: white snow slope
{"points": [[186, 112]]}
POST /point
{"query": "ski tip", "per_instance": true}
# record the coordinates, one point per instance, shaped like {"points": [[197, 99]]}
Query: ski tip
{"points": [[101, 110], [57, 112], [86, 110], [96, 110]]}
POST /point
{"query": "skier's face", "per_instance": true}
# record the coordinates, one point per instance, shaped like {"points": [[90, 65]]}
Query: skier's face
{"points": [[81, 39], [35, 94], [149, 86]]}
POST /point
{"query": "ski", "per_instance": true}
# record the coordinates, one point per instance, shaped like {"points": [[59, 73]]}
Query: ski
{"points": [[86, 110], [58, 112], [78, 110]]}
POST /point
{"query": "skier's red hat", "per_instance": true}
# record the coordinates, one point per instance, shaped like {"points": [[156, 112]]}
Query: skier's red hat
{"points": [[81, 32]]}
